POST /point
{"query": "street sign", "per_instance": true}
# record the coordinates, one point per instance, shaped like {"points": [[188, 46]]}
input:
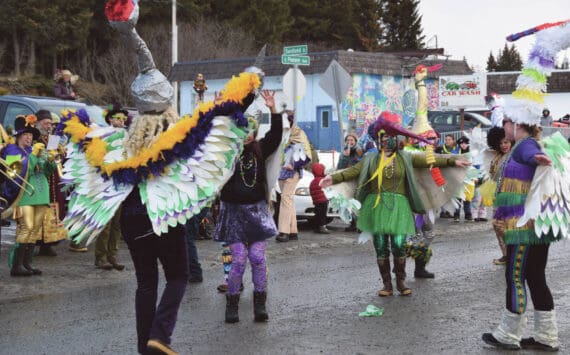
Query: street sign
{"points": [[336, 81], [296, 50], [295, 59], [294, 85]]}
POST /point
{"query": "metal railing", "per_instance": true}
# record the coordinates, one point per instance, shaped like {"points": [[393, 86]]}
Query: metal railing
{"points": [[546, 131]]}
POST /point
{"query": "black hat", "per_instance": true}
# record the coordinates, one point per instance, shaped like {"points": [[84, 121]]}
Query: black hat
{"points": [[26, 124], [116, 109], [463, 140]]}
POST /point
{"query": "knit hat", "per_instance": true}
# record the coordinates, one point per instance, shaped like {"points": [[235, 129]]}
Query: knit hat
{"points": [[527, 102], [43, 115]]}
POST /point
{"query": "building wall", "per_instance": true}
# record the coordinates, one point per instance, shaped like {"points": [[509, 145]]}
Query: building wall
{"points": [[368, 97]]}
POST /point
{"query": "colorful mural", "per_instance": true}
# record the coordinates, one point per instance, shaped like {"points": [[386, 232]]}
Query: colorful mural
{"points": [[372, 94]]}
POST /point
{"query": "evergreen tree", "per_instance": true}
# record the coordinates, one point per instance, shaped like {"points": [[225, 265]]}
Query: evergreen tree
{"points": [[509, 59], [401, 25], [515, 58], [491, 63]]}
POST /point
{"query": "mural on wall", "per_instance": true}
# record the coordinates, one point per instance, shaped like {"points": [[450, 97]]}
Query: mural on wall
{"points": [[372, 94]]}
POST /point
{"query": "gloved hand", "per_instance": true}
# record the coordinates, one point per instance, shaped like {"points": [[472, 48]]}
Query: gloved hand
{"points": [[38, 147]]}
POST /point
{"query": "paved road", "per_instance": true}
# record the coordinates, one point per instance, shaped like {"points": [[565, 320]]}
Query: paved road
{"points": [[317, 287]]}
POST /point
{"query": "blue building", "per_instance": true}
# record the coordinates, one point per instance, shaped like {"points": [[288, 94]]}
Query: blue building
{"points": [[381, 81]]}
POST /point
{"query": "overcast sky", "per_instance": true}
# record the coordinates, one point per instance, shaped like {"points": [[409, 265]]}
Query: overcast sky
{"points": [[474, 28]]}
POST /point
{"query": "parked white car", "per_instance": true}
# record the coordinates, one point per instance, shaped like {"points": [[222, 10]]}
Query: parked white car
{"points": [[303, 201]]}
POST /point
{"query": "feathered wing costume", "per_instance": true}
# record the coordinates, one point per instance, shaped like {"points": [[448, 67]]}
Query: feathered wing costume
{"points": [[180, 170], [548, 201]]}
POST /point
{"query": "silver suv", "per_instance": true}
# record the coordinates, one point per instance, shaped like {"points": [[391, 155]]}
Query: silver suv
{"points": [[14, 105]]}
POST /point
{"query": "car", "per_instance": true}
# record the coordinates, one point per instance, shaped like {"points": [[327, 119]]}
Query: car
{"points": [[304, 208], [448, 121], [14, 105]]}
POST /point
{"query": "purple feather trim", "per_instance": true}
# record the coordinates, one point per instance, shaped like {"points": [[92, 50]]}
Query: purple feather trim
{"points": [[544, 62], [299, 164], [506, 212], [182, 150], [521, 173]]}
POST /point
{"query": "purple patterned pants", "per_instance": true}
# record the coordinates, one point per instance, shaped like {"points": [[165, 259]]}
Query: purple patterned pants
{"points": [[240, 254]]}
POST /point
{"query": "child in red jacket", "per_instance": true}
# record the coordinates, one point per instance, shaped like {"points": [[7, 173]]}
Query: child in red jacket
{"points": [[319, 199]]}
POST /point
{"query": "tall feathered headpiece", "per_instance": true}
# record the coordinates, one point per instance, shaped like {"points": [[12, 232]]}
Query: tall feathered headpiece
{"points": [[527, 100]]}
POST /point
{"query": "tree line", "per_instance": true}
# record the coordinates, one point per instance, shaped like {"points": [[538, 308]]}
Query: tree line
{"points": [[37, 37]]}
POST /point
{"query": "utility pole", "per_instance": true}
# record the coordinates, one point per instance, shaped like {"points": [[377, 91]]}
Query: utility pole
{"points": [[174, 52]]}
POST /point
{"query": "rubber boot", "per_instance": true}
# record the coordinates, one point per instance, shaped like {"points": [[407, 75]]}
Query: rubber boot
{"points": [[18, 268], [113, 261], [46, 250], [384, 267], [420, 272], [509, 332], [28, 256], [232, 303], [400, 271], [259, 310]]}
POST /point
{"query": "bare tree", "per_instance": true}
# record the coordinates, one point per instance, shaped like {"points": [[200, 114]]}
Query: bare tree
{"points": [[118, 69], [208, 39], [3, 51]]}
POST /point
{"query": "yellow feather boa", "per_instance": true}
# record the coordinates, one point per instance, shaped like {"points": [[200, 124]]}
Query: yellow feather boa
{"points": [[95, 150]]}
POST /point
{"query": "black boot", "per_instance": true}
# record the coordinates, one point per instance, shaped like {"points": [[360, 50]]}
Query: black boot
{"points": [[421, 272], [46, 250], [259, 310], [232, 302], [282, 237], [17, 268], [28, 255]]}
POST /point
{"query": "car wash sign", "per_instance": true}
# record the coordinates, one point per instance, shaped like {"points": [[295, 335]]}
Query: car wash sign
{"points": [[462, 91]]}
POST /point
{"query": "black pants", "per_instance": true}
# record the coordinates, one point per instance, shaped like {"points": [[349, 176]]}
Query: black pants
{"points": [[321, 214], [527, 264], [146, 250]]}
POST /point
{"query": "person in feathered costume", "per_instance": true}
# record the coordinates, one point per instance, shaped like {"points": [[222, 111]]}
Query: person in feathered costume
{"points": [[533, 199], [163, 171], [387, 189]]}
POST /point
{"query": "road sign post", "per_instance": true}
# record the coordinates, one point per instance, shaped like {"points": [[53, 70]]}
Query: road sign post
{"points": [[293, 55], [296, 50], [295, 59]]}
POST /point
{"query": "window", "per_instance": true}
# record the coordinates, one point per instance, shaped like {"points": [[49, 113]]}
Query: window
{"points": [[325, 119], [12, 111]]}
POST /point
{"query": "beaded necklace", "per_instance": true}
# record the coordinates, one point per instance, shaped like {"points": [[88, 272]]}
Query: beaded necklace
{"points": [[247, 166]]}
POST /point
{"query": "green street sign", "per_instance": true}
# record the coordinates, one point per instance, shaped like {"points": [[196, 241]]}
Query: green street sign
{"points": [[296, 59], [296, 50]]}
